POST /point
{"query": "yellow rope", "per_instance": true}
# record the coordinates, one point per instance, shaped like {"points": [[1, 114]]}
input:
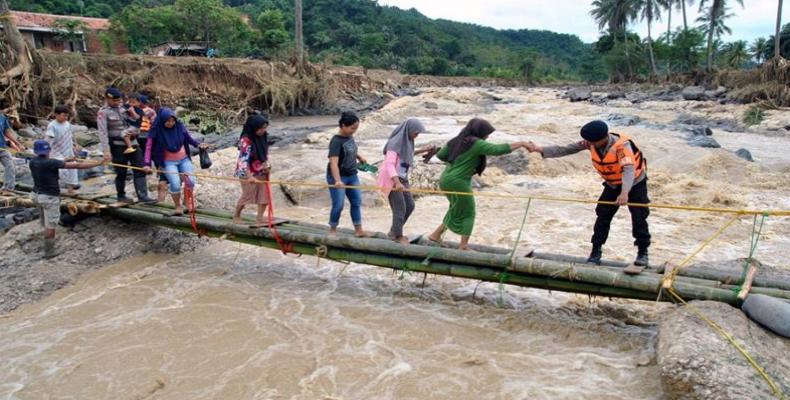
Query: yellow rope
{"points": [[323, 185], [774, 388], [706, 243], [671, 276]]}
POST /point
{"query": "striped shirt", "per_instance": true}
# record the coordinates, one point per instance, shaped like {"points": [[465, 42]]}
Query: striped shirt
{"points": [[61, 138]]}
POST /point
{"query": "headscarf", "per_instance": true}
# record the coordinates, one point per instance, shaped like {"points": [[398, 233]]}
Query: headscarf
{"points": [[476, 129], [260, 145], [173, 138], [400, 142]]}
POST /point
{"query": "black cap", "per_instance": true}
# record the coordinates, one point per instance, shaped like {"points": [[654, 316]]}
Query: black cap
{"points": [[113, 93], [595, 131]]}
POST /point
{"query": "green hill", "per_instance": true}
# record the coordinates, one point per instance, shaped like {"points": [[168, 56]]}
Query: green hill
{"points": [[349, 32]]}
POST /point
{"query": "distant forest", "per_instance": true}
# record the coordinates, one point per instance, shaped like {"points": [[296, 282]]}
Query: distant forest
{"points": [[364, 33]]}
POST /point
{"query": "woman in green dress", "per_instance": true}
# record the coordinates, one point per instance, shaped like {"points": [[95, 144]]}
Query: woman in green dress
{"points": [[465, 156]]}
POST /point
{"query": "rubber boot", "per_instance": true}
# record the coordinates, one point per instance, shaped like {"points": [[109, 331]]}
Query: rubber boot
{"points": [[641, 257], [50, 250], [141, 188], [120, 189], [595, 256]]}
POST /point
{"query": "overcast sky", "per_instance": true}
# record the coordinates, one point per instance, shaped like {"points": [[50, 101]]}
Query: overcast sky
{"points": [[573, 16]]}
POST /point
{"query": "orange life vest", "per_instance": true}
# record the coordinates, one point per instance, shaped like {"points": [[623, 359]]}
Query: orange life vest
{"points": [[610, 167], [145, 125]]}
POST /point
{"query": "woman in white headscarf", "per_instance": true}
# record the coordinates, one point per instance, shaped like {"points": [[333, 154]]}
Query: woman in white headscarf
{"points": [[393, 177]]}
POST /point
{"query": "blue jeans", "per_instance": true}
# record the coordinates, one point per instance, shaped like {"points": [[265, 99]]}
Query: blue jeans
{"points": [[173, 168], [338, 199]]}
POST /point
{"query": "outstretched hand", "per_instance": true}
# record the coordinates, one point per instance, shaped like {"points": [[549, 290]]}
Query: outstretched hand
{"points": [[533, 148]]}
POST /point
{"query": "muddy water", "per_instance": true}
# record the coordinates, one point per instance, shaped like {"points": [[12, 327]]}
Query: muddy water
{"points": [[249, 324], [232, 321]]}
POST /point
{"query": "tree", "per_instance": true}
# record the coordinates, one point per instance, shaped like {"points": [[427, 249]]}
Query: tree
{"points": [[615, 16], [758, 49], [784, 44], [736, 54], [271, 24], [777, 53], [683, 4], [18, 45], [713, 20], [650, 11]]}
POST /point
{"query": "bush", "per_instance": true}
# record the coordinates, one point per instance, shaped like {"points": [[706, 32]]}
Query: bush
{"points": [[753, 116]]}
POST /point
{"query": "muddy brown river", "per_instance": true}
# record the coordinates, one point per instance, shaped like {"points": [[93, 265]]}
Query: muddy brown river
{"points": [[230, 321]]}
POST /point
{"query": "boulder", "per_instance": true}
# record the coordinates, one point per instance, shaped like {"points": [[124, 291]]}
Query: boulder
{"points": [[78, 128], [623, 120], [745, 154], [769, 312], [697, 362], [615, 94], [430, 105], [86, 138], [701, 131], [636, 97], [29, 133], [515, 163], [579, 94], [704, 141], [694, 93]]}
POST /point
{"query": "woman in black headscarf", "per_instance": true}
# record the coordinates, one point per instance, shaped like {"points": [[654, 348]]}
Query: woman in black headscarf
{"points": [[252, 167], [465, 156]]}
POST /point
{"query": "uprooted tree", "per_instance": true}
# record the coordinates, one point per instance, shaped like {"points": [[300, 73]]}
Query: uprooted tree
{"points": [[17, 62]]}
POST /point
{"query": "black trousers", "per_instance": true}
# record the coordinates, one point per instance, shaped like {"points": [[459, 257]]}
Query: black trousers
{"points": [[134, 159], [606, 212]]}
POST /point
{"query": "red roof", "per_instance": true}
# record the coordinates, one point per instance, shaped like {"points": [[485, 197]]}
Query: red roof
{"points": [[36, 20]]}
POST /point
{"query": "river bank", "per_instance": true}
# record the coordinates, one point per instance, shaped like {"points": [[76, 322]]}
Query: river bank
{"points": [[282, 327]]}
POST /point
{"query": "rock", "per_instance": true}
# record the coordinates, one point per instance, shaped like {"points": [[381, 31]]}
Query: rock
{"points": [[704, 141], [636, 97], [745, 154], [42, 123], [180, 111], [728, 125], [579, 94], [694, 93], [616, 94], [515, 163], [600, 100], [623, 120], [701, 131], [430, 105], [78, 128], [696, 362], [769, 312], [29, 133], [86, 138]]}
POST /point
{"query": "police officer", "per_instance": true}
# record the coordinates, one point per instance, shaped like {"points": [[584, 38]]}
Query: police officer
{"points": [[623, 168], [112, 121]]}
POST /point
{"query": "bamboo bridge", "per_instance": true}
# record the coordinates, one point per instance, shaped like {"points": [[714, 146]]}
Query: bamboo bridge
{"points": [[483, 263]]}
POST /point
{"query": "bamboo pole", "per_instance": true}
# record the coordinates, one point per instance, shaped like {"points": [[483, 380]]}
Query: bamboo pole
{"points": [[570, 278]]}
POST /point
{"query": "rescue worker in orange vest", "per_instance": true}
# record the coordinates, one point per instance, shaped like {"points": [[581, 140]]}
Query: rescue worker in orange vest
{"points": [[624, 170]]}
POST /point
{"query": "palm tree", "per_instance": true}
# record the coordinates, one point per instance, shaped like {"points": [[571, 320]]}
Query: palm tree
{"points": [[614, 16], [737, 54], [713, 20], [683, 7], [650, 11], [758, 49], [778, 26]]}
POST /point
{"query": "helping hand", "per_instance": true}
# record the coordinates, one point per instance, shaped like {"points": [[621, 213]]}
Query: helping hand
{"points": [[622, 199]]}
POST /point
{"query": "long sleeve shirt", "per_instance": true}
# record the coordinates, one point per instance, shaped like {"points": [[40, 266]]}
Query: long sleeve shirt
{"points": [[629, 171]]}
